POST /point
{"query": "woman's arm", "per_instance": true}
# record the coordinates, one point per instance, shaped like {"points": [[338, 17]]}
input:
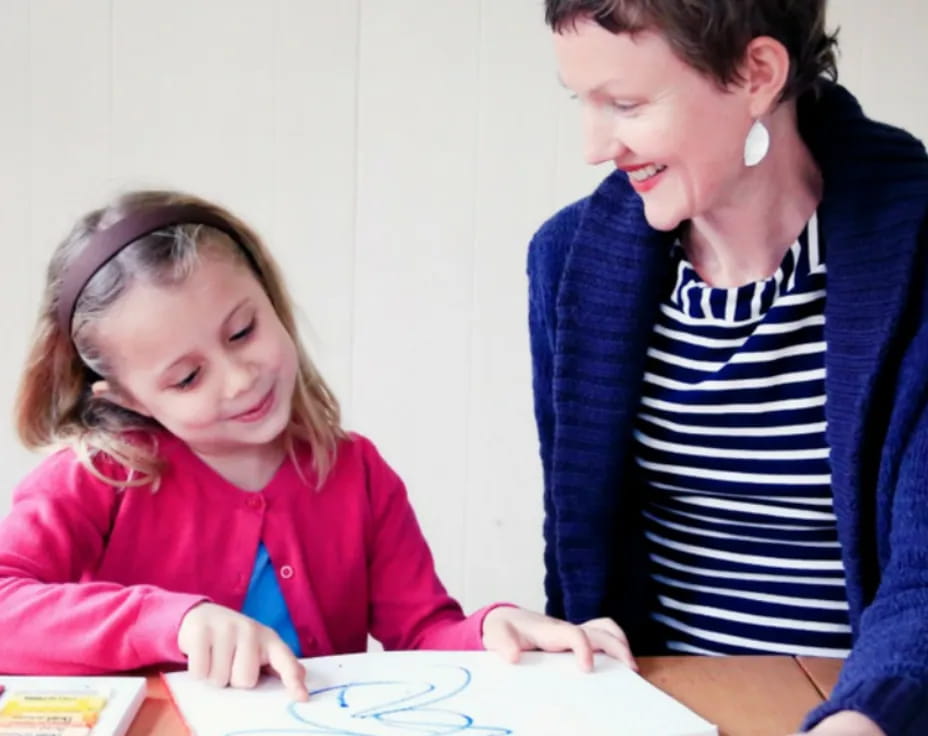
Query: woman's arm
{"points": [[886, 675], [546, 257]]}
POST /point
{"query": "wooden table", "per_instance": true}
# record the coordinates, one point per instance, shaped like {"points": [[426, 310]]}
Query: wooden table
{"points": [[743, 696]]}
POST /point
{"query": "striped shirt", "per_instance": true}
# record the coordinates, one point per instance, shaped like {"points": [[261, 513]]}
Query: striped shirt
{"points": [[730, 444]]}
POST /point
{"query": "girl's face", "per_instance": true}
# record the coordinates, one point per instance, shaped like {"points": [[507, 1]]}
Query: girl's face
{"points": [[207, 358], [679, 136]]}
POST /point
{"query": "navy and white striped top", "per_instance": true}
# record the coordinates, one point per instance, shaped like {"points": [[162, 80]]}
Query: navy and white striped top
{"points": [[730, 443]]}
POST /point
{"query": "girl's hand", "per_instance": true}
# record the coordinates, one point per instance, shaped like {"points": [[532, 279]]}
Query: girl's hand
{"points": [[846, 723], [229, 648], [510, 631]]}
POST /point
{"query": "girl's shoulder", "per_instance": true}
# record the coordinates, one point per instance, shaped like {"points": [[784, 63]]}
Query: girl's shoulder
{"points": [[69, 465], [65, 480], [355, 450], [359, 465], [73, 467]]}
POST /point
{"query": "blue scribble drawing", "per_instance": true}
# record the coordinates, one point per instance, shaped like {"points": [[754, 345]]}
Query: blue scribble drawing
{"points": [[410, 715]]}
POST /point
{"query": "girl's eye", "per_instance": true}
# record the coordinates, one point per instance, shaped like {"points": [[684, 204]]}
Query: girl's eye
{"points": [[188, 380], [243, 333], [624, 106]]}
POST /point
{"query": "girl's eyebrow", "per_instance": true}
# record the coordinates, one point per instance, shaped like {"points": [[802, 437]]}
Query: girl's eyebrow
{"points": [[185, 356], [234, 309]]}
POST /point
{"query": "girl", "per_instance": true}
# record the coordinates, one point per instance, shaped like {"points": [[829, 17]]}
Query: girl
{"points": [[208, 506]]}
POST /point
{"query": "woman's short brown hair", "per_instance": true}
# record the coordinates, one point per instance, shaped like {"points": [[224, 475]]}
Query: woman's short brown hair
{"points": [[712, 35]]}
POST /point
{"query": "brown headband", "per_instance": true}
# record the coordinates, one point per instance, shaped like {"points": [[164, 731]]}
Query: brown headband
{"points": [[106, 244]]}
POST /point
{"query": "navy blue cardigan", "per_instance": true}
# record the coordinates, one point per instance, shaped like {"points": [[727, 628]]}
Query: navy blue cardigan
{"points": [[597, 272]]}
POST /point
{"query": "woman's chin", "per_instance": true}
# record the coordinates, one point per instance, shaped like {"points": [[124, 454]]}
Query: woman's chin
{"points": [[661, 219]]}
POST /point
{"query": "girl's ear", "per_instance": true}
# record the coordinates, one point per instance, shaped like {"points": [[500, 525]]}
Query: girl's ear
{"points": [[106, 391]]}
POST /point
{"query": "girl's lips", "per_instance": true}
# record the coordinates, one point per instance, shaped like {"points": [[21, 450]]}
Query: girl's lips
{"points": [[258, 411]]}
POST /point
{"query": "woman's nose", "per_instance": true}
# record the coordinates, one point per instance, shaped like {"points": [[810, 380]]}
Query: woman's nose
{"points": [[601, 142]]}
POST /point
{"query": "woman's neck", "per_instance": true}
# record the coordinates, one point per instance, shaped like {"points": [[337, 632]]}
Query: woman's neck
{"points": [[744, 240]]}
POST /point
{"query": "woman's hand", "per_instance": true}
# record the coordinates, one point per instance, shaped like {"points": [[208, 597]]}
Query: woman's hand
{"points": [[510, 631], [229, 648], [846, 723]]}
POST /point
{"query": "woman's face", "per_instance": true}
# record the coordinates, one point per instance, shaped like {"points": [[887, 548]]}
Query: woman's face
{"points": [[677, 134]]}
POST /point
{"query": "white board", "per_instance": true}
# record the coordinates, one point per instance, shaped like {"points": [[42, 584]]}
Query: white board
{"points": [[439, 693]]}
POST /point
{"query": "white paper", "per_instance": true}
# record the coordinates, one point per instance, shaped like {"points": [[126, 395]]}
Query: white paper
{"points": [[442, 693]]}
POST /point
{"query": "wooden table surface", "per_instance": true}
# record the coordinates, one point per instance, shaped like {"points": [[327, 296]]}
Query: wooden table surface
{"points": [[743, 696]]}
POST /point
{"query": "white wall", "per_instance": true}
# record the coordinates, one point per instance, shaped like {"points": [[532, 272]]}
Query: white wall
{"points": [[397, 155]]}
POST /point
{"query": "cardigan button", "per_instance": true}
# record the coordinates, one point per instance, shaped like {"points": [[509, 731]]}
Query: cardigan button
{"points": [[286, 572], [254, 502]]}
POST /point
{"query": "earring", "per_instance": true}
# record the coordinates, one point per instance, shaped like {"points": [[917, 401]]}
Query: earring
{"points": [[757, 144]]}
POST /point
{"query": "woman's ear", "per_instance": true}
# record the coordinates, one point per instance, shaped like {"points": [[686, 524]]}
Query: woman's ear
{"points": [[765, 70], [106, 391]]}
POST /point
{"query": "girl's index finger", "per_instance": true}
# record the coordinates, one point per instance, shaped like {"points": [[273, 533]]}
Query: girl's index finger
{"points": [[289, 669]]}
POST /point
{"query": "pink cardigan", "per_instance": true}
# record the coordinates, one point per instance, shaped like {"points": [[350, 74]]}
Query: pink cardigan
{"points": [[97, 580]]}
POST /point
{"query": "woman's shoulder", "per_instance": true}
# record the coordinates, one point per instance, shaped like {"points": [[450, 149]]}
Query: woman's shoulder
{"points": [[547, 251], [561, 226], [613, 211], [853, 148]]}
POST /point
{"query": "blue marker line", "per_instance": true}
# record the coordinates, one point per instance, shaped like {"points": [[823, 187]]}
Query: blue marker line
{"points": [[460, 722]]}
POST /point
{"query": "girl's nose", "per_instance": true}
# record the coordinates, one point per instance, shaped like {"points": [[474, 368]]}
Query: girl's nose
{"points": [[240, 377]]}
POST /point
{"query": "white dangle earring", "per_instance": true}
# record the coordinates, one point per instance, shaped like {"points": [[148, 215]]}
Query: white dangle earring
{"points": [[757, 144]]}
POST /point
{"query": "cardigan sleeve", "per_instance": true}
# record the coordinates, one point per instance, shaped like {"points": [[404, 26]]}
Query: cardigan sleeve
{"points": [[546, 255], [54, 617], [540, 338], [409, 607], [886, 674]]}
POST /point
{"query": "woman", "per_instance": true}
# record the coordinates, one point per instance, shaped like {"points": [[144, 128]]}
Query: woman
{"points": [[729, 342]]}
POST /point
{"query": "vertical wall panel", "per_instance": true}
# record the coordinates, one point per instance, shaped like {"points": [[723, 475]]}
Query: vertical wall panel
{"points": [[59, 159], [397, 155], [517, 173], [883, 59], [69, 130], [21, 278], [414, 285], [314, 158], [193, 100]]}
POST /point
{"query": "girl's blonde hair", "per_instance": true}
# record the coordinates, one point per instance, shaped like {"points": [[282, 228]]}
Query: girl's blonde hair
{"points": [[55, 404]]}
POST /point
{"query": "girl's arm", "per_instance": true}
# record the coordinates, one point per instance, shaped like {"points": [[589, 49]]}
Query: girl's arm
{"points": [[54, 617], [410, 608]]}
